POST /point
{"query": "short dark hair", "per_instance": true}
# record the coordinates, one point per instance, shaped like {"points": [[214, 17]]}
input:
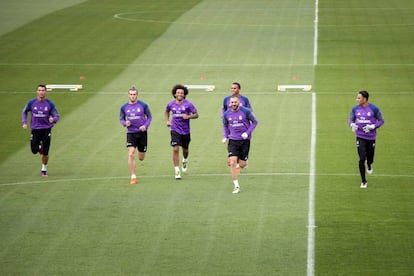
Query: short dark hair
{"points": [[42, 85], [179, 86], [238, 84], [364, 94]]}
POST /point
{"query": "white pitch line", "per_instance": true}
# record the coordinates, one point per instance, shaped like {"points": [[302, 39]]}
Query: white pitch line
{"points": [[310, 259], [315, 35], [311, 196], [164, 64]]}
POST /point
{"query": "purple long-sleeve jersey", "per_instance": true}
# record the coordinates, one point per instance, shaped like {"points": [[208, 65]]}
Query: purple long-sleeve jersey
{"points": [[363, 116], [244, 101], [178, 124], [235, 123], [40, 111], [139, 114]]}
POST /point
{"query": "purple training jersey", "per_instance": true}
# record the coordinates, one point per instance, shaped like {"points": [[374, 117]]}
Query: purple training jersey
{"points": [[235, 123], [138, 114], [363, 116], [178, 124], [40, 111]]}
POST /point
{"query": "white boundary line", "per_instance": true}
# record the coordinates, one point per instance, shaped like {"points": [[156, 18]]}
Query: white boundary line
{"points": [[310, 259], [315, 34], [311, 196]]}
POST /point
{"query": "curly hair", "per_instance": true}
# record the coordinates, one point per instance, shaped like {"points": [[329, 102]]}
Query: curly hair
{"points": [[179, 86]]}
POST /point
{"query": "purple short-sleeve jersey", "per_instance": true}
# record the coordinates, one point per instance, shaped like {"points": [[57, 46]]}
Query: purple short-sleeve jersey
{"points": [[178, 124]]}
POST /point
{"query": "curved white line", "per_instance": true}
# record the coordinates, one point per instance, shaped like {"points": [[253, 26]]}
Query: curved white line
{"points": [[124, 16]]}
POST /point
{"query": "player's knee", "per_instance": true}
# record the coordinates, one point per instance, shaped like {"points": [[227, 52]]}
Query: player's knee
{"points": [[232, 162]]}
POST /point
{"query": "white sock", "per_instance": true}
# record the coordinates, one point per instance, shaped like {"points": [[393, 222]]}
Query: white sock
{"points": [[236, 183], [133, 175], [177, 169], [44, 167], [185, 160]]}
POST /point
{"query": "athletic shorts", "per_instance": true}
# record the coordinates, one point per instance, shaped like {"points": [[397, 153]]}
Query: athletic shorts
{"points": [[239, 148], [137, 140], [40, 139], [180, 140]]}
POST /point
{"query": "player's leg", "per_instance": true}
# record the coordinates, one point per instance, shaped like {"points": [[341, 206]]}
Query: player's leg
{"points": [[176, 162], [142, 145], [34, 142], [176, 143], [362, 156], [185, 148], [176, 155], [233, 149], [244, 153], [185, 152], [46, 137], [141, 155], [131, 159], [233, 167], [131, 145], [370, 156]]}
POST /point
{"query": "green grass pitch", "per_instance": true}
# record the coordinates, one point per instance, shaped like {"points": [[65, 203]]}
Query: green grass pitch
{"points": [[85, 218]]}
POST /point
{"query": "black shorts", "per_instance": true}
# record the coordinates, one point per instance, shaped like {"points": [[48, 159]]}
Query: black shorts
{"points": [[137, 140], [239, 148], [180, 140], [40, 138]]}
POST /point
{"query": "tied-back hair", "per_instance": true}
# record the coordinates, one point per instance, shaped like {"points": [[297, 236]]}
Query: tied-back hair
{"points": [[133, 89]]}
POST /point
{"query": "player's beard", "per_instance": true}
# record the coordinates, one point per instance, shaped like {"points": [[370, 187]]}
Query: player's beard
{"points": [[234, 107]]}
